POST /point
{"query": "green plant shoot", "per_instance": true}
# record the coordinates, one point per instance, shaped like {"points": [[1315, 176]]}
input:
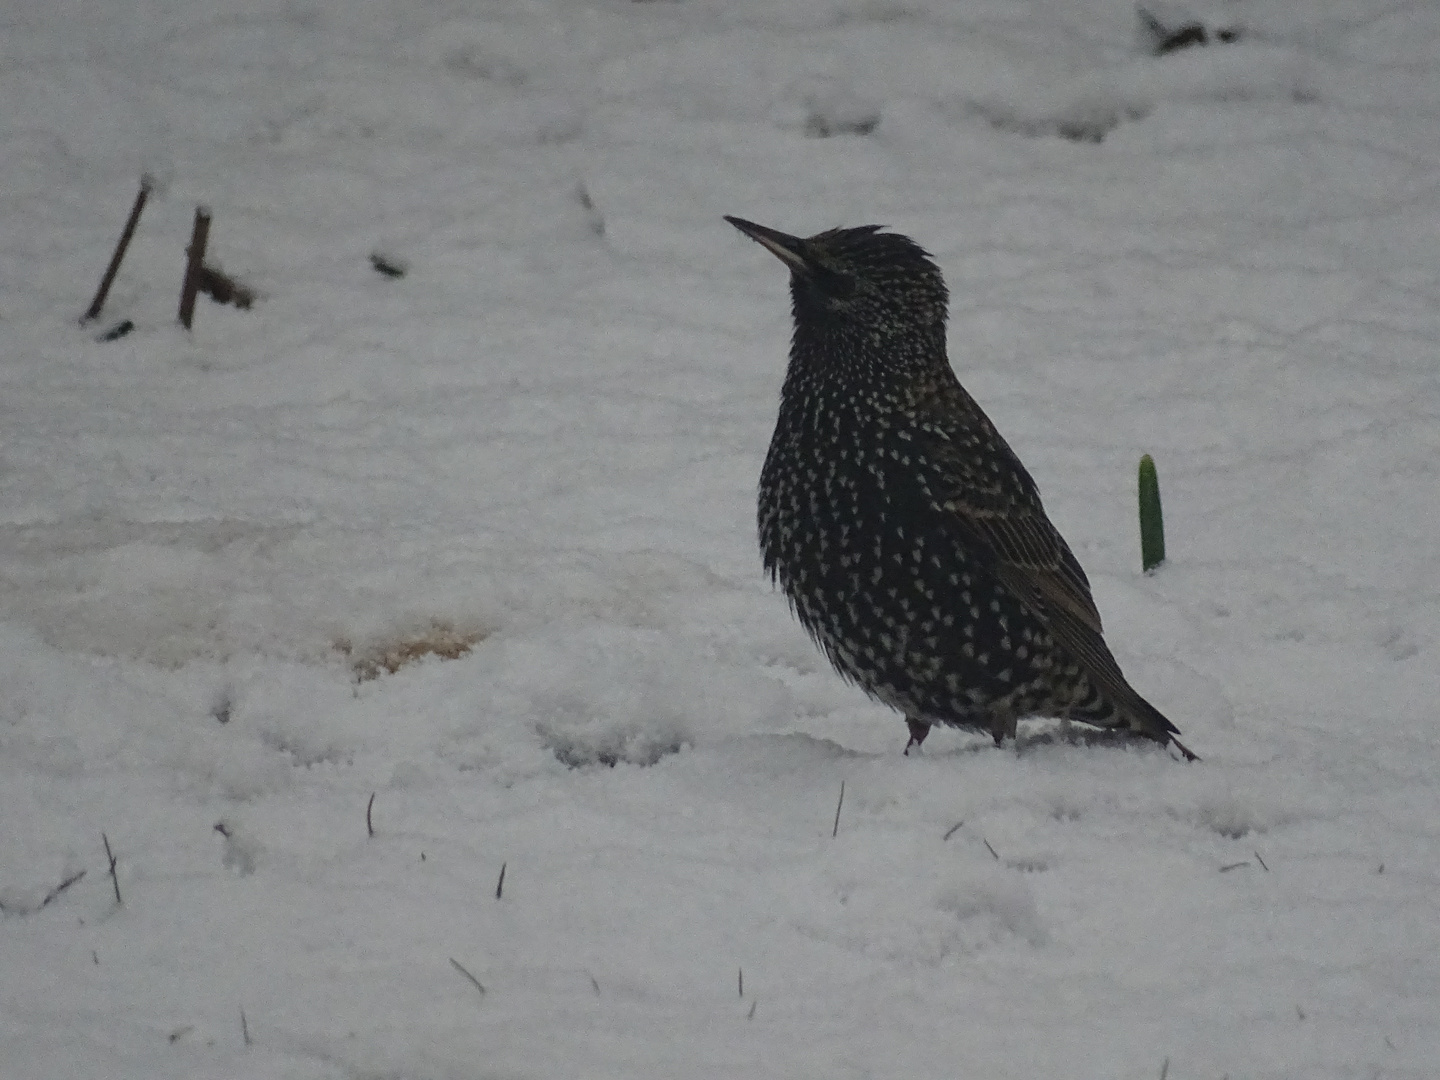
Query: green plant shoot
{"points": [[1152, 521]]}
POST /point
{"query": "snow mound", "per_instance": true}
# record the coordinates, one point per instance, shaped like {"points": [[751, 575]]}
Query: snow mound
{"points": [[821, 107], [1088, 106], [920, 903], [603, 695], [993, 903]]}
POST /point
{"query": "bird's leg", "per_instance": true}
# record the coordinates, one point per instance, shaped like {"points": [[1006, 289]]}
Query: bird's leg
{"points": [[1003, 726], [918, 730]]}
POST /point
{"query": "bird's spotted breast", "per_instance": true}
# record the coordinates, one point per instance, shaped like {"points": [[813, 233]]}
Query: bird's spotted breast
{"points": [[885, 587]]}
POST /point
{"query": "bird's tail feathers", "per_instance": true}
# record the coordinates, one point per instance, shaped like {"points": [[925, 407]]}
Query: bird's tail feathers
{"points": [[1144, 719], [1126, 708]]}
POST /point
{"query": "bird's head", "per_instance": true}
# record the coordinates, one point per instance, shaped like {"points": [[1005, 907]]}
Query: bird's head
{"points": [[872, 280]]}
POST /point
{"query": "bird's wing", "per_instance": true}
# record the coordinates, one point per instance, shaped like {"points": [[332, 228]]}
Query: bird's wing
{"points": [[976, 478], [1083, 642]]}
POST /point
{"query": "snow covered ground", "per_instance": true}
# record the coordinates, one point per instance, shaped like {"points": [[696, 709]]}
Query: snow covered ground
{"points": [[543, 443]]}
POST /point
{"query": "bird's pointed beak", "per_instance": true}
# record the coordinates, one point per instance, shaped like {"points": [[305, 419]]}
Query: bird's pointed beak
{"points": [[788, 249]]}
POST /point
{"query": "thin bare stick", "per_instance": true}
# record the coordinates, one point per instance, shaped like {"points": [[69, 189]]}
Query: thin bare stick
{"points": [[742, 982], [835, 831], [461, 968], [751, 1014], [58, 889], [244, 1028], [1261, 862], [952, 830], [370, 825], [1232, 866], [48, 899], [146, 183], [594, 982], [114, 878], [500, 885], [194, 264], [989, 848]]}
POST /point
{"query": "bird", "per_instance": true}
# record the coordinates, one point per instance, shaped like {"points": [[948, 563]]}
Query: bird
{"points": [[910, 540]]}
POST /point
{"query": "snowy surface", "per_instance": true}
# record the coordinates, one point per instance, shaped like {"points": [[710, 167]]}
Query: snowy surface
{"points": [[543, 442]]}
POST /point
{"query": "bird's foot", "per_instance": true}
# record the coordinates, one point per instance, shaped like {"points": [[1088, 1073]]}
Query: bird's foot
{"points": [[918, 731]]}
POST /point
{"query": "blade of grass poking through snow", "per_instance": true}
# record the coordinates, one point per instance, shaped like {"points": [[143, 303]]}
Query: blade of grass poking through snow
{"points": [[1152, 521], [461, 968], [114, 877]]}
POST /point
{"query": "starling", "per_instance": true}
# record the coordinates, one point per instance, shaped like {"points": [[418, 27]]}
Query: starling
{"points": [[909, 538]]}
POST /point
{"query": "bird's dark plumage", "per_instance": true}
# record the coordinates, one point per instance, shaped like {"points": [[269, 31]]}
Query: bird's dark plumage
{"points": [[908, 536]]}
